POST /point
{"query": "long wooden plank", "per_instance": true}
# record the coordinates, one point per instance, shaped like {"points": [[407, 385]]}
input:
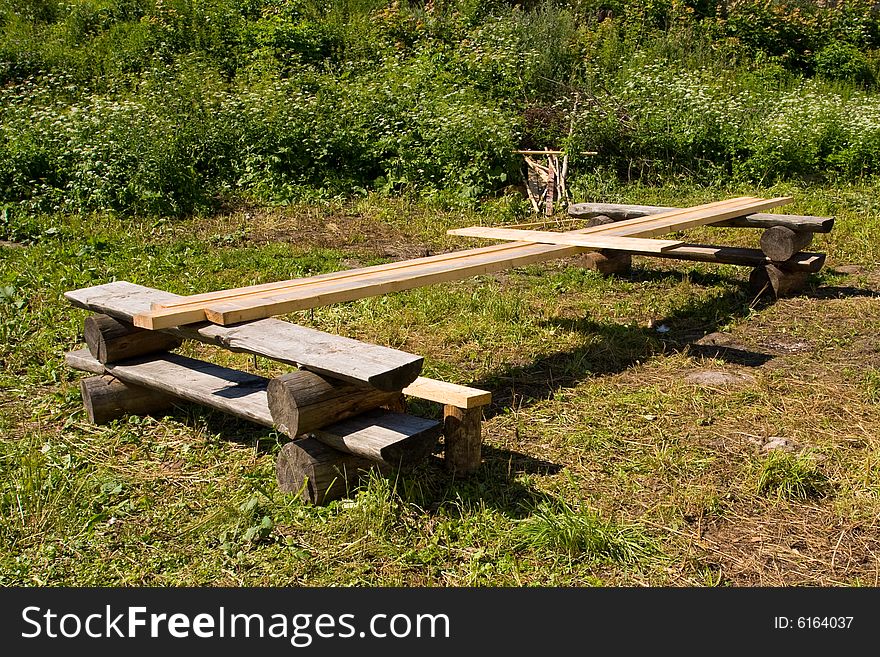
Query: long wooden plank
{"points": [[302, 297], [620, 212], [635, 245], [198, 301], [385, 436], [662, 223], [243, 310], [324, 353]]}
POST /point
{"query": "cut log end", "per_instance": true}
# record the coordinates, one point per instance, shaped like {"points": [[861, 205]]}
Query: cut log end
{"points": [[771, 279], [302, 401], [110, 340], [780, 243], [317, 472], [107, 398]]}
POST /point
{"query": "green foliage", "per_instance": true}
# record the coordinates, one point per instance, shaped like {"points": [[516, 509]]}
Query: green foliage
{"points": [[171, 107], [583, 534], [792, 477], [844, 61]]}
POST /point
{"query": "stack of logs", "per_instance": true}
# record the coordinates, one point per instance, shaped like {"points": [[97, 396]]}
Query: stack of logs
{"points": [[346, 412], [780, 266]]}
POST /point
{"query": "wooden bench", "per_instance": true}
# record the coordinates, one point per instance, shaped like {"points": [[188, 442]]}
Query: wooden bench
{"points": [[342, 421]]}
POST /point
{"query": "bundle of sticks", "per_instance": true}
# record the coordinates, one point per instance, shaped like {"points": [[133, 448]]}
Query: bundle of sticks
{"points": [[545, 181]]}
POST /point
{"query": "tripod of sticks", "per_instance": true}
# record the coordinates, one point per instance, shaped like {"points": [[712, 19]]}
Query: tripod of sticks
{"points": [[545, 181]]}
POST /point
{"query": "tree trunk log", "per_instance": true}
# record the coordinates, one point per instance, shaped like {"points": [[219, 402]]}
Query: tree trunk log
{"points": [[317, 472], [107, 398], [303, 401], [462, 433], [781, 243], [110, 340], [780, 282]]}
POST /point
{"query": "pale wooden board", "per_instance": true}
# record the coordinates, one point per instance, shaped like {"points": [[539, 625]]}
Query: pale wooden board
{"points": [[377, 435], [323, 353], [635, 245], [619, 212], [199, 300], [482, 262], [677, 220], [303, 294], [452, 394]]}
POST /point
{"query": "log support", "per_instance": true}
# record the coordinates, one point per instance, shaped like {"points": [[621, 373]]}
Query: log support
{"points": [[463, 438], [110, 340], [303, 401], [777, 280], [317, 472], [780, 243], [107, 398]]}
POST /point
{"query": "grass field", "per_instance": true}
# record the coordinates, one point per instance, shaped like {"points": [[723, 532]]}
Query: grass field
{"points": [[603, 464]]}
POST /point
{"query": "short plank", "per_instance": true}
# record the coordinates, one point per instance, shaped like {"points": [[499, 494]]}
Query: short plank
{"points": [[382, 434], [324, 353], [451, 394], [635, 245], [618, 212]]}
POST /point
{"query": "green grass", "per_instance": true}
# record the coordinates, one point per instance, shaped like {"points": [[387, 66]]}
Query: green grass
{"points": [[602, 466]]}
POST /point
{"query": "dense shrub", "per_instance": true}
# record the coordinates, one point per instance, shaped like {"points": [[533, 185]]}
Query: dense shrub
{"points": [[168, 106]]}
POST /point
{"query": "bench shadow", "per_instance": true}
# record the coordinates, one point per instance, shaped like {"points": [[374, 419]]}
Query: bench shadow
{"points": [[614, 348], [501, 484]]}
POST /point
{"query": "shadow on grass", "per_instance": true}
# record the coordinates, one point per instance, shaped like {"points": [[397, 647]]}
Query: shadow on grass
{"points": [[618, 347], [500, 484]]}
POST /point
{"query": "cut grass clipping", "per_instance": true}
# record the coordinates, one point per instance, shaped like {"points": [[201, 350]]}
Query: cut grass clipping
{"points": [[792, 477], [583, 534]]}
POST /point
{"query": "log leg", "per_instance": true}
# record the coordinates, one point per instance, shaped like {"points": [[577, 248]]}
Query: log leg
{"points": [[462, 438], [110, 340], [317, 472], [107, 398], [608, 262], [780, 282], [303, 401], [780, 243]]}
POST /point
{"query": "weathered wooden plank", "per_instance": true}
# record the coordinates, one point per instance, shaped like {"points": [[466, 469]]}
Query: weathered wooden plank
{"points": [[730, 255], [620, 212], [636, 245], [231, 391], [677, 220], [332, 355], [244, 395], [82, 360], [448, 393]]}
